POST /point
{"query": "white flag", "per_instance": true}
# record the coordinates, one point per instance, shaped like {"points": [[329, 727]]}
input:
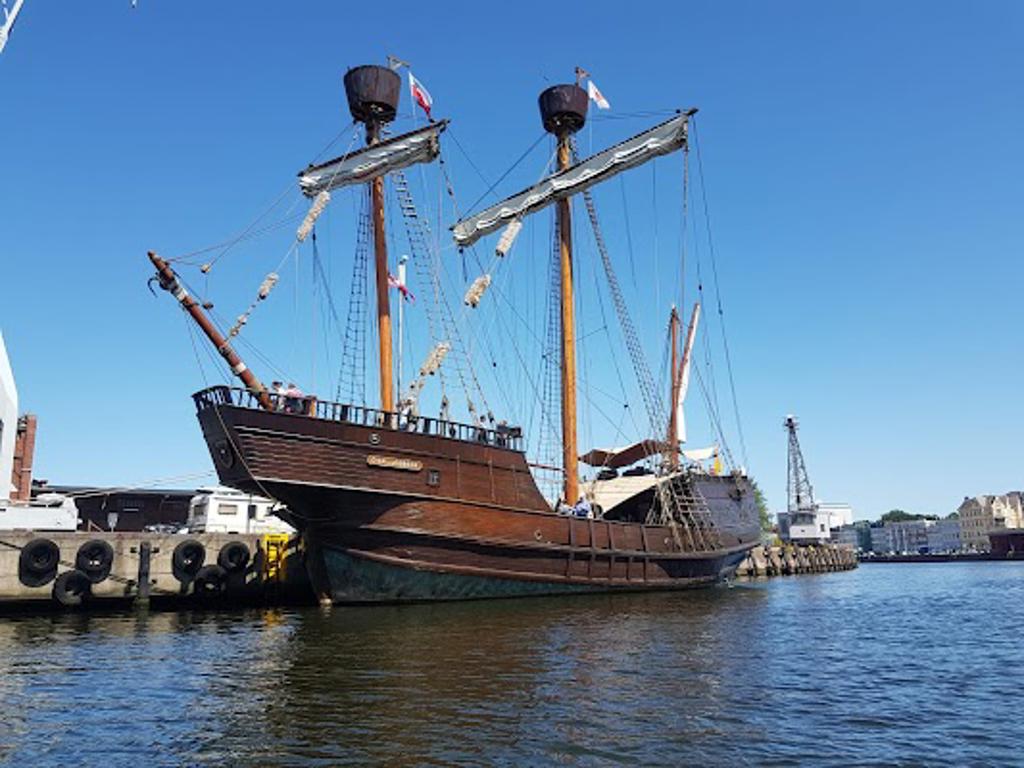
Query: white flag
{"points": [[597, 96]]}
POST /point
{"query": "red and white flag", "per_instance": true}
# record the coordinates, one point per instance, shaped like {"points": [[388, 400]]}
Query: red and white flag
{"points": [[597, 96], [403, 289], [420, 94]]}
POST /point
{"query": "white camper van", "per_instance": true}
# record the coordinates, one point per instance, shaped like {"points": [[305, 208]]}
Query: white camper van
{"points": [[225, 510]]}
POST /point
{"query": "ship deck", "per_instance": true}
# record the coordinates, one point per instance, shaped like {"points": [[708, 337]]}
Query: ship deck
{"points": [[309, 406]]}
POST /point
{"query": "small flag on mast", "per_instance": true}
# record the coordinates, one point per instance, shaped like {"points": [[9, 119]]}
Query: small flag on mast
{"points": [[403, 289], [420, 94], [597, 96]]}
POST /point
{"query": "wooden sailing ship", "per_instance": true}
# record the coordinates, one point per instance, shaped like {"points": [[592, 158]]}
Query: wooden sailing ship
{"points": [[395, 506]]}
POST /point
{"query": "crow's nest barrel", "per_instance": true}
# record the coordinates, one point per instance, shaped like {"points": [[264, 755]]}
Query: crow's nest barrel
{"points": [[372, 93], [563, 108]]}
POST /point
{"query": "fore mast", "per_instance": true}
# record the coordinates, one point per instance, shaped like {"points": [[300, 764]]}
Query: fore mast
{"points": [[373, 93], [563, 110]]}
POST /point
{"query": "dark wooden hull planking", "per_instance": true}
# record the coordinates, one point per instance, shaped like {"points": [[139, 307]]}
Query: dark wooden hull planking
{"points": [[392, 515]]}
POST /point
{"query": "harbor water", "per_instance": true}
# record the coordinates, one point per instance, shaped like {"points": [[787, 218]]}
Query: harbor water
{"points": [[901, 664]]}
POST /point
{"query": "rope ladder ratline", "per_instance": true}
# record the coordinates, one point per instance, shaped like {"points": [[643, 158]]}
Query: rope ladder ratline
{"points": [[428, 272], [549, 440], [440, 319], [352, 370]]}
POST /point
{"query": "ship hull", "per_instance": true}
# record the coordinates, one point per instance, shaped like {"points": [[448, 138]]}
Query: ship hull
{"points": [[353, 580], [392, 516], [426, 550]]}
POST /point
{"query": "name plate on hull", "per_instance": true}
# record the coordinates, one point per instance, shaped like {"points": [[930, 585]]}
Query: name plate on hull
{"points": [[394, 462]]}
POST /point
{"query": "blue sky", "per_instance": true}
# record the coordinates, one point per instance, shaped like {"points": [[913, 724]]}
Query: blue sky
{"points": [[863, 172]]}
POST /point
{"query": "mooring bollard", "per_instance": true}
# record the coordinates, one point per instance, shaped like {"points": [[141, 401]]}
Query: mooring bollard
{"points": [[145, 556]]}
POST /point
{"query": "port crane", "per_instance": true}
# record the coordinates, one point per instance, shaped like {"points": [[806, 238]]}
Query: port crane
{"points": [[798, 485]]}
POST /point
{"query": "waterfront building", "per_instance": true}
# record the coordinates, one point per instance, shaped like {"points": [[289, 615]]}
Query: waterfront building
{"points": [[910, 536], [944, 536], [847, 536], [839, 513], [114, 509], [17, 446], [856, 535], [881, 539], [17, 438], [982, 515], [1008, 542], [206, 510], [8, 422]]}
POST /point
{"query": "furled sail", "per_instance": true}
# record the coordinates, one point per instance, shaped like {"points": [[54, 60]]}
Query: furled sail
{"points": [[366, 164], [684, 374], [659, 140], [623, 456]]}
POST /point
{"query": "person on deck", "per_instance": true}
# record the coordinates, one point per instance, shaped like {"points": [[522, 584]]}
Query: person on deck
{"points": [[583, 508], [293, 398], [501, 434], [277, 395]]}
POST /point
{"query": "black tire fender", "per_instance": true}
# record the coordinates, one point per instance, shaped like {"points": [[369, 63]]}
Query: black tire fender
{"points": [[187, 560], [72, 588], [211, 581], [234, 556], [37, 564], [95, 559]]}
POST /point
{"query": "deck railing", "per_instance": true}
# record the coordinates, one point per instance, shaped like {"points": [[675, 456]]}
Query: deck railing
{"points": [[310, 407]]}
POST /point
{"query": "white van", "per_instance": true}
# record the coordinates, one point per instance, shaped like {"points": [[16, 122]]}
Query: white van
{"points": [[225, 510]]}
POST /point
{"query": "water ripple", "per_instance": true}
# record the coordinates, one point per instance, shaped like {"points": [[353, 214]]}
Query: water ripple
{"points": [[888, 665]]}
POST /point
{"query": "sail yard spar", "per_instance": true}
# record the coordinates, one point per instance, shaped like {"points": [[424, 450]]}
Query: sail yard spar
{"points": [[662, 139]]}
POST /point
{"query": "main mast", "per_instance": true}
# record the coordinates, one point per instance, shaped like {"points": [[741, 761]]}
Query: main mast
{"points": [[563, 109], [372, 93]]}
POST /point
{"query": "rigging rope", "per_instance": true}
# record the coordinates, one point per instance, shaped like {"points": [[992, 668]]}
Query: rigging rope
{"points": [[718, 295], [677, 501], [503, 176], [250, 230]]}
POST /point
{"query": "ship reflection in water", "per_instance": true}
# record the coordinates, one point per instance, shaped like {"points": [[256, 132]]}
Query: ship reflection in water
{"points": [[888, 664]]}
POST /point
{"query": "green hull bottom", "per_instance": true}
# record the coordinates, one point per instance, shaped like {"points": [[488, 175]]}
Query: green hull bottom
{"points": [[357, 580]]}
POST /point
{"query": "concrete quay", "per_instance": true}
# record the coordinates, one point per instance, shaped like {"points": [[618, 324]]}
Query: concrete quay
{"points": [[790, 560], [949, 557], [73, 569]]}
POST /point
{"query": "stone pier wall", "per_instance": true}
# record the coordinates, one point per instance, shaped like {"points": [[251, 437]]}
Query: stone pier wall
{"points": [[70, 569], [789, 560]]}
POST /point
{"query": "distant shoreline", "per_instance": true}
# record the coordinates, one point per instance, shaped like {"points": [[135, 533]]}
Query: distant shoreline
{"points": [[970, 557]]}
